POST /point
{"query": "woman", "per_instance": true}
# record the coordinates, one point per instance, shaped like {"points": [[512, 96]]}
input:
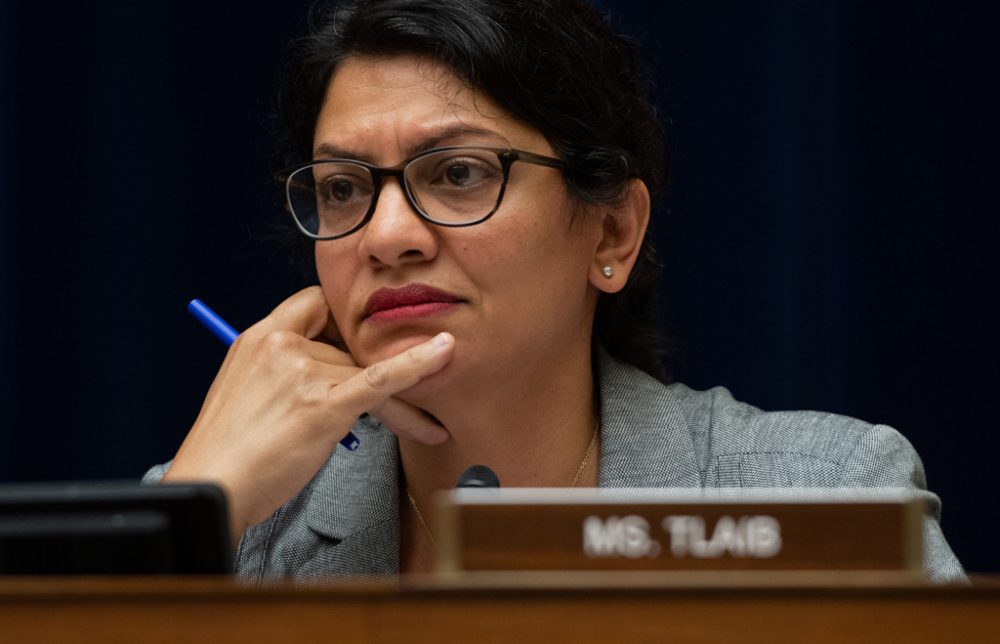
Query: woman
{"points": [[477, 181]]}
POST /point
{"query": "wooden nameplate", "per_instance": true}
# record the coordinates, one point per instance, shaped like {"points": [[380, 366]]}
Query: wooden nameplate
{"points": [[674, 529]]}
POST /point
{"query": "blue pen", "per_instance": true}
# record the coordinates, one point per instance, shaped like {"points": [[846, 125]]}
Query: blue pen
{"points": [[228, 334]]}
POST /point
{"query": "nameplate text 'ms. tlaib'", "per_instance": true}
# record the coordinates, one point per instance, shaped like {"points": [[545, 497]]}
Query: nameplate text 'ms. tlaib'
{"points": [[669, 529]]}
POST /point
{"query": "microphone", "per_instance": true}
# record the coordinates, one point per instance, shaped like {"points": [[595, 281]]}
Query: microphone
{"points": [[478, 476]]}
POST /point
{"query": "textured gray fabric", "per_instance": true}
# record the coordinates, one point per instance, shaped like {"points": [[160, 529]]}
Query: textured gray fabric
{"points": [[346, 521]]}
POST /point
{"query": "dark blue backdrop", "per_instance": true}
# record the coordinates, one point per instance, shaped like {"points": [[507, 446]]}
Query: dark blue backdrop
{"points": [[830, 238]]}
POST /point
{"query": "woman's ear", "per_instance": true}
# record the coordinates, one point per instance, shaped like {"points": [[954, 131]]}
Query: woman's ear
{"points": [[623, 228]]}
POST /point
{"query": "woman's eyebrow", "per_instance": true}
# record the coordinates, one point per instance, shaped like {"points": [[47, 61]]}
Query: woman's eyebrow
{"points": [[434, 139], [453, 132], [328, 151]]}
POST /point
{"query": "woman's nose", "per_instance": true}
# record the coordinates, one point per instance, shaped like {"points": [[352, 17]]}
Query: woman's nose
{"points": [[396, 234]]}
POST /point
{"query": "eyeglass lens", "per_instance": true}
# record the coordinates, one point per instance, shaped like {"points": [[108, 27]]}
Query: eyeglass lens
{"points": [[461, 186]]}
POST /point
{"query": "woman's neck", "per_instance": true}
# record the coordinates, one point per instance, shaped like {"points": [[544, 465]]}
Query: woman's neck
{"points": [[533, 430], [538, 430]]}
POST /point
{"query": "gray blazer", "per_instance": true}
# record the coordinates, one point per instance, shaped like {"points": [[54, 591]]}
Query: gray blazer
{"points": [[346, 521]]}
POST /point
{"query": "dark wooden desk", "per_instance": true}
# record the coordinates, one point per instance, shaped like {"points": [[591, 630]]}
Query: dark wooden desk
{"points": [[521, 608]]}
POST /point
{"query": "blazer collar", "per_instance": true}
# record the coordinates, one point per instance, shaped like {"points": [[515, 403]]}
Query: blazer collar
{"points": [[645, 437]]}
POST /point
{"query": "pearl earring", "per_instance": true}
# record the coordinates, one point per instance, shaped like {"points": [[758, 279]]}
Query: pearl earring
{"points": [[607, 271]]}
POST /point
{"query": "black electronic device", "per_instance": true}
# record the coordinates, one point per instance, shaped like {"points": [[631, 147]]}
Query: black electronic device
{"points": [[114, 528]]}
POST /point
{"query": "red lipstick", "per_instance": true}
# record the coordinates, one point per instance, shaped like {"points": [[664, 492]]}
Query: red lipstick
{"points": [[411, 301]]}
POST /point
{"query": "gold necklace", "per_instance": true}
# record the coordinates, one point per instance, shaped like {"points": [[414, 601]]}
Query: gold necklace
{"points": [[420, 518], [586, 456], [576, 479]]}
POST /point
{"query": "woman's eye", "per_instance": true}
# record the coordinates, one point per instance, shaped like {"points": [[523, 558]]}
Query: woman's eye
{"points": [[464, 172], [458, 174], [341, 190]]}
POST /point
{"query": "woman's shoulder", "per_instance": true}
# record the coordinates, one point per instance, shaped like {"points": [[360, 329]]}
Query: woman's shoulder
{"points": [[737, 444], [658, 435], [722, 425], [741, 444]]}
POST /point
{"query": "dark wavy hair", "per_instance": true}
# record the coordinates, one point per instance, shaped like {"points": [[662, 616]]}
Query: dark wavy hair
{"points": [[556, 65]]}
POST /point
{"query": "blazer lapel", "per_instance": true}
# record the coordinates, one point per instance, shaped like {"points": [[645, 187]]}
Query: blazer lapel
{"points": [[354, 506], [645, 439]]}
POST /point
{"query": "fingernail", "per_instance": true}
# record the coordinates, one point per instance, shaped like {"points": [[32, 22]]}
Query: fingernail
{"points": [[441, 340]]}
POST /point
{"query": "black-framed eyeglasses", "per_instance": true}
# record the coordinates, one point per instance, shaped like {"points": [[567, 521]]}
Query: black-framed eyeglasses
{"points": [[452, 186]]}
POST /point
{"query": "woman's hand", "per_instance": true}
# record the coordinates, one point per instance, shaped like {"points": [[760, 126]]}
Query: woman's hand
{"points": [[282, 401]]}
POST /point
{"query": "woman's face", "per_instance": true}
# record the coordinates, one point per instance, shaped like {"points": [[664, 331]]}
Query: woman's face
{"points": [[513, 290]]}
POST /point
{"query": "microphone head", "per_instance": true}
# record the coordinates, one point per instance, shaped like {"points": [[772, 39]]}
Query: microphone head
{"points": [[478, 476]]}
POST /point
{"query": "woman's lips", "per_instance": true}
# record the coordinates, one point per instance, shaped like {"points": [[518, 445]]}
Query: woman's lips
{"points": [[415, 300]]}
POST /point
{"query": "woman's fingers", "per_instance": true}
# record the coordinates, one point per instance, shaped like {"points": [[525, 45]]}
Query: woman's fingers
{"points": [[305, 313], [379, 383], [281, 401], [409, 422], [374, 384], [402, 418]]}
